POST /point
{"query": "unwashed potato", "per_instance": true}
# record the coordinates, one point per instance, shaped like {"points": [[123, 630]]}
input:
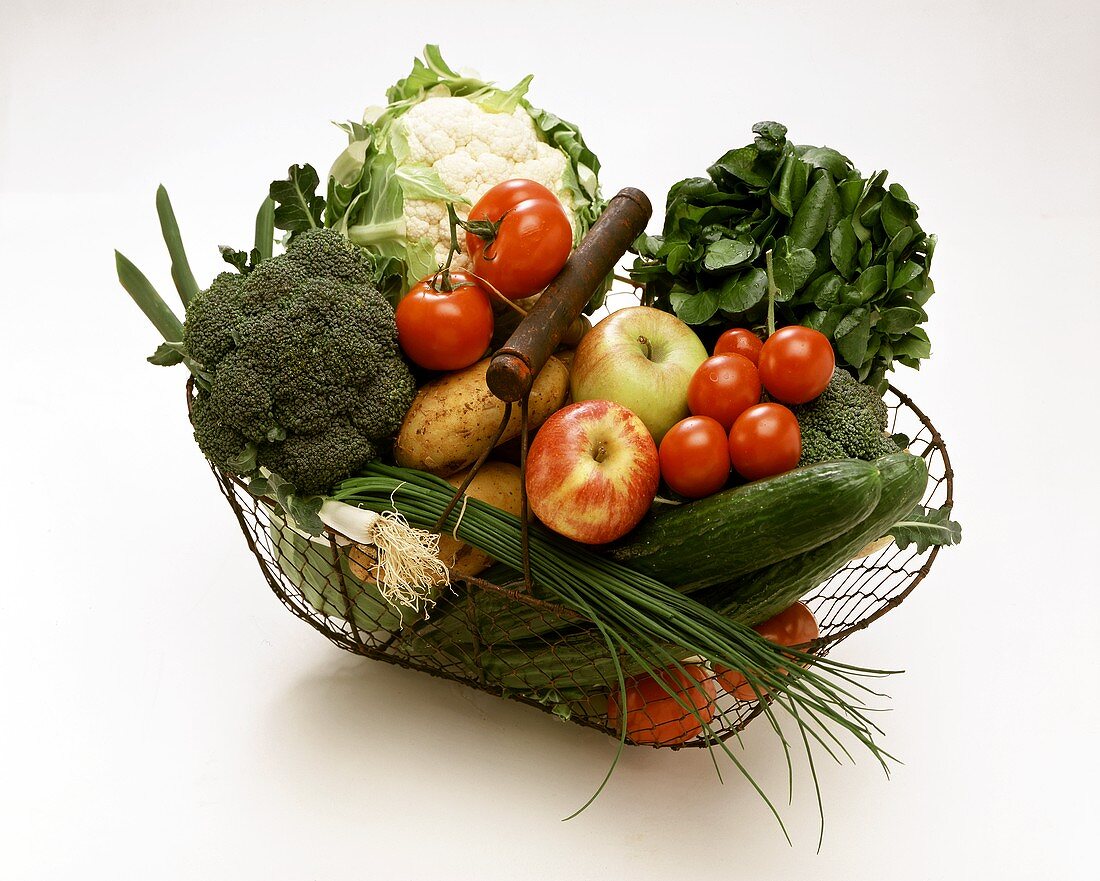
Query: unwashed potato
{"points": [[453, 418], [496, 484]]}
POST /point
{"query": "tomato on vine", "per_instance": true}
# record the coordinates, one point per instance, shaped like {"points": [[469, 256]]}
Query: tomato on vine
{"points": [[445, 329], [445, 321], [518, 237]]}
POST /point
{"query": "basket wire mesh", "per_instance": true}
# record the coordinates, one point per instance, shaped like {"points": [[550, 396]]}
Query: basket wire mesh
{"points": [[499, 638]]}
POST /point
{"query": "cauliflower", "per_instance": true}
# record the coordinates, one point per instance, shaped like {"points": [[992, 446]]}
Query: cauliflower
{"points": [[471, 150], [448, 137]]}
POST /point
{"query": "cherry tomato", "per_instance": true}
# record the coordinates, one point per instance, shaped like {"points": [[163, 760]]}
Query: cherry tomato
{"points": [[723, 387], [739, 341], [695, 457], [794, 626], [445, 330], [654, 716], [796, 363], [531, 243], [764, 441]]}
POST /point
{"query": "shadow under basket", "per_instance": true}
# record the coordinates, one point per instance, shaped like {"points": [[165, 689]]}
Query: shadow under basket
{"points": [[497, 638]]}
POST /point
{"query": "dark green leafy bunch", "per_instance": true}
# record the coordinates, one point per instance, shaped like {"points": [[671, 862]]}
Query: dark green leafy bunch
{"points": [[850, 258], [846, 421], [304, 376]]}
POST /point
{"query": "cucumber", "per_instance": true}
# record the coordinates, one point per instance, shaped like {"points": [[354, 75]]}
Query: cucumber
{"points": [[767, 592], [735, 532]]}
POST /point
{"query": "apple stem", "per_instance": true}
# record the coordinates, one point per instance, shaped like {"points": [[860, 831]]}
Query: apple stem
{"points": [[601, 452], [772, 292], [647, 347]]}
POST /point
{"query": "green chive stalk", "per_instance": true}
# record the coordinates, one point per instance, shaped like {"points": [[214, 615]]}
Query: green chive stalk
{"points": [[639, 618]]}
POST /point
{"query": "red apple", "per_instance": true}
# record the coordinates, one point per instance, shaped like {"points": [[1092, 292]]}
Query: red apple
{"points": [[592, 471]]}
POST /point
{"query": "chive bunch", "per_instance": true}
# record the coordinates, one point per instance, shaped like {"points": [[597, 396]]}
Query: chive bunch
{"points": [[641, 618]]}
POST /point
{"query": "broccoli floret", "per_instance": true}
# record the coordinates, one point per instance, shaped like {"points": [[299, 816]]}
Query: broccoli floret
{"points": [[304, 367], [847, 421]]}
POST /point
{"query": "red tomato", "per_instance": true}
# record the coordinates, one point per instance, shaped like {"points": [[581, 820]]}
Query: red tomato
{"points": [[441, 330], [531, 244], [739, 341], [723, 387], [654, 716], [765, 440], [796, 363], [794, 626], [695, 457]]}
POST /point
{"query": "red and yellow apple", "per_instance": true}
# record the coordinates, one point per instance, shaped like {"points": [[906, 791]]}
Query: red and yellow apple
{"points": [[641, 358], [592, 471]]}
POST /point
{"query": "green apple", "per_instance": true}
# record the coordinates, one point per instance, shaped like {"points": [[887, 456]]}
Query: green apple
{"points": [[643, 359]]}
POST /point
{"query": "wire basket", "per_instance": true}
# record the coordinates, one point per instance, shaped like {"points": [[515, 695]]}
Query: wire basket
{"points": [[498, 638]]}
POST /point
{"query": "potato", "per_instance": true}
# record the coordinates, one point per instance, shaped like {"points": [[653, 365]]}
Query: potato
{"points": [[453, 418], [497, 484]]}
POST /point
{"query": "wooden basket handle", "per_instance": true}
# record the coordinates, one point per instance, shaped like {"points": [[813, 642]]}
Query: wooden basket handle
{"points": [[515, 365]]}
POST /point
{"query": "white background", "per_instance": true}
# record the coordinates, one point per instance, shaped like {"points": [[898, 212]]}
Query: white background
{"points": [[164, 717]]}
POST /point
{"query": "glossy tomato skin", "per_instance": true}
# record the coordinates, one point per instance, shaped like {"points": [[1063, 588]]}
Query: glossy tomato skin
{"points": [[532, 243], [653, 716], [695, 457], [440, 330], [765, 441], [796, 363], [724, 387], [739, 341], [794, 626]]}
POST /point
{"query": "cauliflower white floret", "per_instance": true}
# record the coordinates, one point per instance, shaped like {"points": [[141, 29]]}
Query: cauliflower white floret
{"points": [[472, 150]]}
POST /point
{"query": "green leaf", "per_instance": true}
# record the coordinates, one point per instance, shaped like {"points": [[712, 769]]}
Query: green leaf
{"points": [[793, 268], [850, 321], [244, 261], [926, 528], [420, 182], [905, 274], [809, 221], [843, 246], [898, 319], [245, 461], [167, 355], [781, 196], [738, 164], [182, 276], [770, 135], [824, 291], [865, 255], [825, 320], [849, 192], [699, 308], [727, 253], [833, 162], [871, 281], [499, 101], [743, 291], [853, 344], [143, 293], [899, 242], [299, 204], [912, 346]]}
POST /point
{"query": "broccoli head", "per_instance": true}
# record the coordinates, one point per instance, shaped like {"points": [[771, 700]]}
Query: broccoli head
{"points": [[847, 421], [305, 375]]}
